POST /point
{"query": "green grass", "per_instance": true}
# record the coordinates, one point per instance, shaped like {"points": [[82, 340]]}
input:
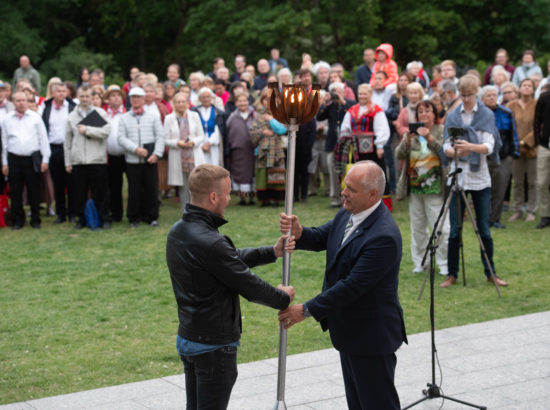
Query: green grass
{"points": [[82, 310]]}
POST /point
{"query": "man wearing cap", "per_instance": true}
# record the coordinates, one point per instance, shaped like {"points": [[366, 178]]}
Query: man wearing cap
{"points": [[141, 134], [25, 154], [55, 116], [115, 97], [85, 149], [26, 71]]}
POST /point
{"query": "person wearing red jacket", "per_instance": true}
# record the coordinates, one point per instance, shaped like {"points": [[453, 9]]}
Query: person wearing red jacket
{"points": [[384, 62]]}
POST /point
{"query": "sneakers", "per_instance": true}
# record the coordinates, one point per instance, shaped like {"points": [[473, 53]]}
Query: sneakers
{"points": [[498, 225], [516, 216], [155, 224], [418, 270], [451, 280]]}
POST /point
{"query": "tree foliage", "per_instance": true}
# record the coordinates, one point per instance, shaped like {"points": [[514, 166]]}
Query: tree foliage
{"points": [[151, 35]]}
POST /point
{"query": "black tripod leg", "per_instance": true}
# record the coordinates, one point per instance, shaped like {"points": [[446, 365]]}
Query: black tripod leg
{"points": [[464, 402], [481, 245]]}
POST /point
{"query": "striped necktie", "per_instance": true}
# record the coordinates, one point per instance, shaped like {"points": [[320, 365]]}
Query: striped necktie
{"points": [[348, 228]]}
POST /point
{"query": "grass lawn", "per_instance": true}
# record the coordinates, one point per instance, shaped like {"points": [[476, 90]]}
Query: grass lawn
{"points": [[82, 310]]}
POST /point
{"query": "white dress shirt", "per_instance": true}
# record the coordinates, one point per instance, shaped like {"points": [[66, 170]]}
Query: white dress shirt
{"points": [[380, 125], [25, 135], [468, 180], [112, 141], [358, 218], [58, 123], [152, 108]]}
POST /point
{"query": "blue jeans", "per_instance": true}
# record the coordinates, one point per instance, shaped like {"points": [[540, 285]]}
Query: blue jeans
{"points": [[209, 378], [482, 206]]}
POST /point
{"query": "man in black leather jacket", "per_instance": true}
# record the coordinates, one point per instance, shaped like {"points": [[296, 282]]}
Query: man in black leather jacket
{"points": [[208, 274]]}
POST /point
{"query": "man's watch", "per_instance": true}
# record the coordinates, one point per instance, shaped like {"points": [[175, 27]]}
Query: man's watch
{"points": [[305, 311]]}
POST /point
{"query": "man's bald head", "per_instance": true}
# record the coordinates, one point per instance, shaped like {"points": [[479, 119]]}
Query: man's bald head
{"points": [[373, 177]]}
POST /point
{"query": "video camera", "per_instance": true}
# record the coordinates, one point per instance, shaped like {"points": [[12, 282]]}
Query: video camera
{"points": [[456, 132]]}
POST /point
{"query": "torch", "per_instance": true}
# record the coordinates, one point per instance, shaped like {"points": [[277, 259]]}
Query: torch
{"points": [[295, 104]]}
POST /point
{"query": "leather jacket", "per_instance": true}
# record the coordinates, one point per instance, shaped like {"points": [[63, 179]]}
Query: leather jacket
{"points": [[208, 274]]}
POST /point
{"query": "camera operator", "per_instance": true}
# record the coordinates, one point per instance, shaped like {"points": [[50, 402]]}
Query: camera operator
{"points": [[480, 138], [334, 109]]}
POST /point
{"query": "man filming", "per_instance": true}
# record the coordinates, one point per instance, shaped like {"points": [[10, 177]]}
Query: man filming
{"points": [[479, 139]]}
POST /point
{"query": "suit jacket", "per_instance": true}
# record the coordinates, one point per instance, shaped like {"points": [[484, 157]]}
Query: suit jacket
{"points": [[359, 303]]}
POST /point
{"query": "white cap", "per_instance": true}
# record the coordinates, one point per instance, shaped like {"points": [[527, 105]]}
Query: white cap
{"points": [[137, 91]]}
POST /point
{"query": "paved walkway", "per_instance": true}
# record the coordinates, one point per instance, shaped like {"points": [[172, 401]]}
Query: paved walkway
{"points": [[502, 364]]}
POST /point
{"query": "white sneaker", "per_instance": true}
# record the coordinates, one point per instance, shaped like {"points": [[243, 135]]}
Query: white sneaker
{"points": [[418, 270]]}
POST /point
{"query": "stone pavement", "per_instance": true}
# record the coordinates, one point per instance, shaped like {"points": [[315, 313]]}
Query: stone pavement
{"points": [[502, 364]]}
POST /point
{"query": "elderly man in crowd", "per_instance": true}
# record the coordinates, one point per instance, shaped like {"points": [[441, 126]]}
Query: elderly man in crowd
{"points": [[85, 150], [28, 72], [260, 81], [25, 154], [500, 172], [141, 134], [55, 115]]}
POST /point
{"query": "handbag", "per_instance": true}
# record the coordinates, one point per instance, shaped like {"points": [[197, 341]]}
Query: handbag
{"points": [[365, 143], [349, 164]]}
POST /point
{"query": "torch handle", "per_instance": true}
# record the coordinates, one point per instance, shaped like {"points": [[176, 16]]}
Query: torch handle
{"points": [[289, 201]]}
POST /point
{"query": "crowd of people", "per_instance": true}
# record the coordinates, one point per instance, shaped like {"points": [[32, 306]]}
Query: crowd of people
{"points": [[78, 141]]}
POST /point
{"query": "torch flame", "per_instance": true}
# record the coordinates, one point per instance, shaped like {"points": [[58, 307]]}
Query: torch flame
{"points": [[300, 96]]}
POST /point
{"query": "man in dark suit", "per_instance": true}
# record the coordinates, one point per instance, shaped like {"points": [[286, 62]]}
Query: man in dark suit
{"points": [[359, 303]]}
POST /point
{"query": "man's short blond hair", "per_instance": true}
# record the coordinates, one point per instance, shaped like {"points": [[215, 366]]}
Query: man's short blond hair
{"points": [[205, 179], [468, 84]]}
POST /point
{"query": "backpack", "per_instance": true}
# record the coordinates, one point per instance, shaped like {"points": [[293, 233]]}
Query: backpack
{"points": [[91, 216]]}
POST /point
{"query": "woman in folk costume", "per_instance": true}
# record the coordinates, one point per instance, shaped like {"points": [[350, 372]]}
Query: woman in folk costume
{"points": [[365, 128], [269, 172], [213, 143], [184, 137]]}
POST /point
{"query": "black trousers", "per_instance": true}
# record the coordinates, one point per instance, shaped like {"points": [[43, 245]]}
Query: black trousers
{"points": [[64, 204], [91, 177], [116, 167], [21, 173], [369, 382], [142, 193], [209, 378]]}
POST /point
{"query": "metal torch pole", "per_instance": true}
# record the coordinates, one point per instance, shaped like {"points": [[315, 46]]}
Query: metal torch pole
{"points": [[289, 200]]}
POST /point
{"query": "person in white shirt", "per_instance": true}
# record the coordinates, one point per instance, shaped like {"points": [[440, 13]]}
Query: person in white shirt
{"points": [[55, 115], [115, 97], [480, 139], [25, 154]]}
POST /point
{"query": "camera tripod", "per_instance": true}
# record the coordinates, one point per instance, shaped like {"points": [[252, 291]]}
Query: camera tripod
{"points": [[434, 391]]}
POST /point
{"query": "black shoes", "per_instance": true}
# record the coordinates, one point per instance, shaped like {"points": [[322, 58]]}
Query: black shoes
{"points": [[79, 225], [16, 227], [498, 225], [35, 225], [59, 220], [544, 222]]}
